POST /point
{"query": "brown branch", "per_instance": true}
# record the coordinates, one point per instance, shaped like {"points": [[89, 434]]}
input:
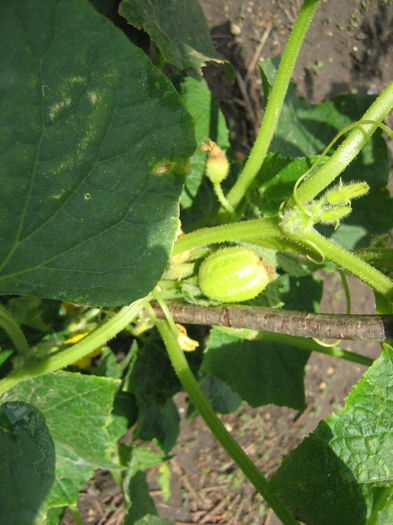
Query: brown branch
{"points": [[337, 326]]}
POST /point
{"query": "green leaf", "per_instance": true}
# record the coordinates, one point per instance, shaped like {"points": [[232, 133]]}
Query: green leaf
{"points": [[293, 293], [197, 198], [93, 151], [382, 513], [159, 423], [54, 515], [330, 477], [106, 7], [152, 378], [27, 463], [153, 520], [77, 411], [145, 457], [221, 397], [139, 501], [301, 293], [305, 129], [260, 371], [178, 28], [371, 215], [274, 184], [124, 415], [42, 315]]}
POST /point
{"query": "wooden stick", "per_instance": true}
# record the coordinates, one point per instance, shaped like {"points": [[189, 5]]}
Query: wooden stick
{"points": [[338, 326]]}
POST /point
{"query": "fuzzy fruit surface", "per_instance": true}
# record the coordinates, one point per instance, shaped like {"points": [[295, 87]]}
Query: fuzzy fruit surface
{"points": [[233, 274]]}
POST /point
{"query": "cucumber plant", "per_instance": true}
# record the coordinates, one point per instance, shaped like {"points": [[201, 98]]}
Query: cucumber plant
{"points": [[98, 149]]}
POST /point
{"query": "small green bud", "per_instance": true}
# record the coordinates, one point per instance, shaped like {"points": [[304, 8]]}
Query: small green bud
{"points": [[343, 194], [217, 165], [232, 275]]}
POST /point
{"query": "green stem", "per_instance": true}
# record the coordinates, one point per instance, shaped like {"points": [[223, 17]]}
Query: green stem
{"points": [[311, 346], [350, 263], [224, 201], [9, 325], [197, 397], [380, 257], [348, 149], [276, 99], [241, 231], [65, 358]]}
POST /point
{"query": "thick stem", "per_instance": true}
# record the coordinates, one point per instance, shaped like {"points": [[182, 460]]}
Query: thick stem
{"points": [[197, 397], [65, 358], [350, 263], [348, 149], [275, 102], [237, 231]]}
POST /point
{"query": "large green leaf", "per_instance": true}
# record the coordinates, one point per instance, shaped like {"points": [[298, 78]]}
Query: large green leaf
{"points": [[331, 476], [27, 463], [178, 28], [260, 371], [93, 146], [77, 412]]}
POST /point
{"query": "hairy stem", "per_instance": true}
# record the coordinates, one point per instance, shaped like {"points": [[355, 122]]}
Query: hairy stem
{"points": [[65, 358], [197, 397], [350, 263], [276, 99], [237, 231], [348, 149], [224, 201]]}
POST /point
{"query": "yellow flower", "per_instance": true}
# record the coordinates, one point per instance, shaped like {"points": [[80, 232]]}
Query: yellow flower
{"points": [[85, 361], [186, 343]]}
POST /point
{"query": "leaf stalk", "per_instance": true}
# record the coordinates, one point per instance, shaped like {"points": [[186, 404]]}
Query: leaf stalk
{"points": [[276, 100], [197, 397]]}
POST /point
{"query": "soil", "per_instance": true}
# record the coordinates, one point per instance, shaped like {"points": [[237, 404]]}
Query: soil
{"points": [[349, 49]]}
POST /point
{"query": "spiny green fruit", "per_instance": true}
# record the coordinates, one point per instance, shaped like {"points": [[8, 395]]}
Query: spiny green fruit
{"points": [[232, 275]]}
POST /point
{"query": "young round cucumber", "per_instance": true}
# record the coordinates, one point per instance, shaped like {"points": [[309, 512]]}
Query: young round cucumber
{"points": [[232, 275]]}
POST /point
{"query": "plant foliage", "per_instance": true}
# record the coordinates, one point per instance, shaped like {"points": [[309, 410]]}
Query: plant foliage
{"points": [[101, 167]]}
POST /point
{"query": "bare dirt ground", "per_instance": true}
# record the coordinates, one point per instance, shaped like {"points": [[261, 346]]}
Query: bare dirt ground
{"points": [[348, 49]]}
